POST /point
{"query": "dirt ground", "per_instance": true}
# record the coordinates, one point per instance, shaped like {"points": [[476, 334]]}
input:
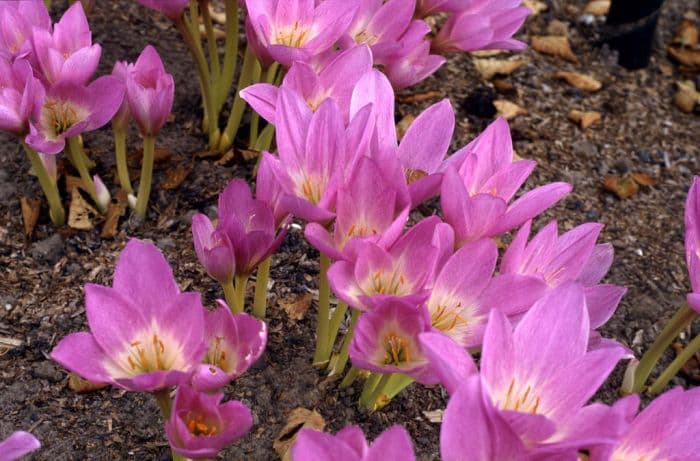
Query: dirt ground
{"points": [[41, 277]]}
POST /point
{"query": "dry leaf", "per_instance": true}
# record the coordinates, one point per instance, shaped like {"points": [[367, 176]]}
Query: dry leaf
{"points": [[296, 306], [535, 6], [299, 418], [175, 176], [509, 110], [585, 119], [80, 214], [691, 368], [487, 53], [160, 155], [685, 56], [554, 45], [403, 125], [249, 154], [686, 97], [434, 416], [489, 68], [30, 214], [627, 185], [580, 81], [503, 86], [218, 33], [643, 179], [597, 7], [82, 386], [74, 182], [227, 157], [115, 211], [418, 97], [207, 154], [218, 17], [687, 34], [557, 27]]}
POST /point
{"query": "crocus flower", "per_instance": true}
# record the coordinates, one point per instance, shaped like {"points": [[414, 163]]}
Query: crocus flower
{"points": [[66, 54], [121, 71], [403, 271], [171, 8], [144, 334], [200, 425], [19, 92], [412, 61], [692, 242], [150, 91], [102, 193], [428, 7], [349, 444], [573, 256], [484, 24], [269, 190], [17, 445], [235, 342], [386, 340], [213, 248], [69, 109], [295, 30], [534, 382], [17, 19], [475, 199]]}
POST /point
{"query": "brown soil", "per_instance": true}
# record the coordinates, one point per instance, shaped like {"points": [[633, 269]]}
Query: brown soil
{"points": [[41, 277]]}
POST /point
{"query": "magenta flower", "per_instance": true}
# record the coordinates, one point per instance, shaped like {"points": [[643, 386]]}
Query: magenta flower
{"points": [[484, 24], [69, 109], [235, 343], [19, 92], [150, 91], [370, 206], [534, 382], [200, 425], [269, 190], [573, 256], [475, 199], [17, 19], [412, 62], [349, 444], [122, 71], [144, 334], [214, 249], [296, 30], [692, 242], [404, 271], [17, 445], [386, 340], [66, 54], [428, 7], [171, 8]]}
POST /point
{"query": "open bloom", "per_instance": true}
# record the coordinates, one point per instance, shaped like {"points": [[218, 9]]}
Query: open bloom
{"points": [[483, 24], [200, 425], [412, 61], [296, 30], [235, 342], [17, 19], [66, 53], [475, 198], [69, 109], [150, 91], [19, 92], [692, 242], [171, 8], [349, 444], [17, 445], [144, 334]]}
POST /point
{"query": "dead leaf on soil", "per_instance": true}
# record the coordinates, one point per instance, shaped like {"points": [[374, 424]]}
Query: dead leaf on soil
{"points": [[299, 418], [227, 157], [580, 81], [685, 56], [584, 119], [175, 176], [535, 6], [691, 368], [627, 185], [597, 7], [687, 34], [249, 154], [418, 97], [74, 182], [554, 45], [115, 211], [296, 306], [558, 28], [30, 214], [509, 110], [687, 96], [218, 33], [160, 155], [82, 386], [403, 125], [434, 416], [489, 68], [81, 214], [487, 53]]}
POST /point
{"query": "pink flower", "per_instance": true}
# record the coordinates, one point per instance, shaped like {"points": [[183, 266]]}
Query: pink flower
{"points": [[171, 8], [144, 334], [692, 242], [19, 92], [17, 19], [17, 445], [428, 7], [412, 61], [150, 91], [349, 444], [200, 425]]}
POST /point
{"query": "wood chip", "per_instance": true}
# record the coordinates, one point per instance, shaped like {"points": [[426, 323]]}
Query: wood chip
{"points": [[489, 68], [509, 110], [403, 125], [418, 97], [30, 214], [535, 6], [296, 306], [82, 386], [597, 7], [580, 81], [174, 177], [687, 34], [115, 211], [687, 96], [554, 45], [81, 214], [685, 56], [299, 418], [584, 119]]}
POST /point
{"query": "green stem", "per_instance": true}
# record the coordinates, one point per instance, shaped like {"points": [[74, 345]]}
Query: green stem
{"points": [[342, 359], [77, 157], [211, 45], [336, 320], [260, 300], [48, 186], [230, 54], [396, 384], [229, 294], [369, 386], [323, 322], [682, 318], [262, 144], [250, 73], [369, 400], [165, 405], [675, 366], [149, 146], [122, 167], [350, 377], [254, 127], [239, 301]]}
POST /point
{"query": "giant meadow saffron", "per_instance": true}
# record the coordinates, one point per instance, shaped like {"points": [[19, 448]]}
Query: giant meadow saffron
{"points": [[17, 445], [17, 19], [349, 444]]}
